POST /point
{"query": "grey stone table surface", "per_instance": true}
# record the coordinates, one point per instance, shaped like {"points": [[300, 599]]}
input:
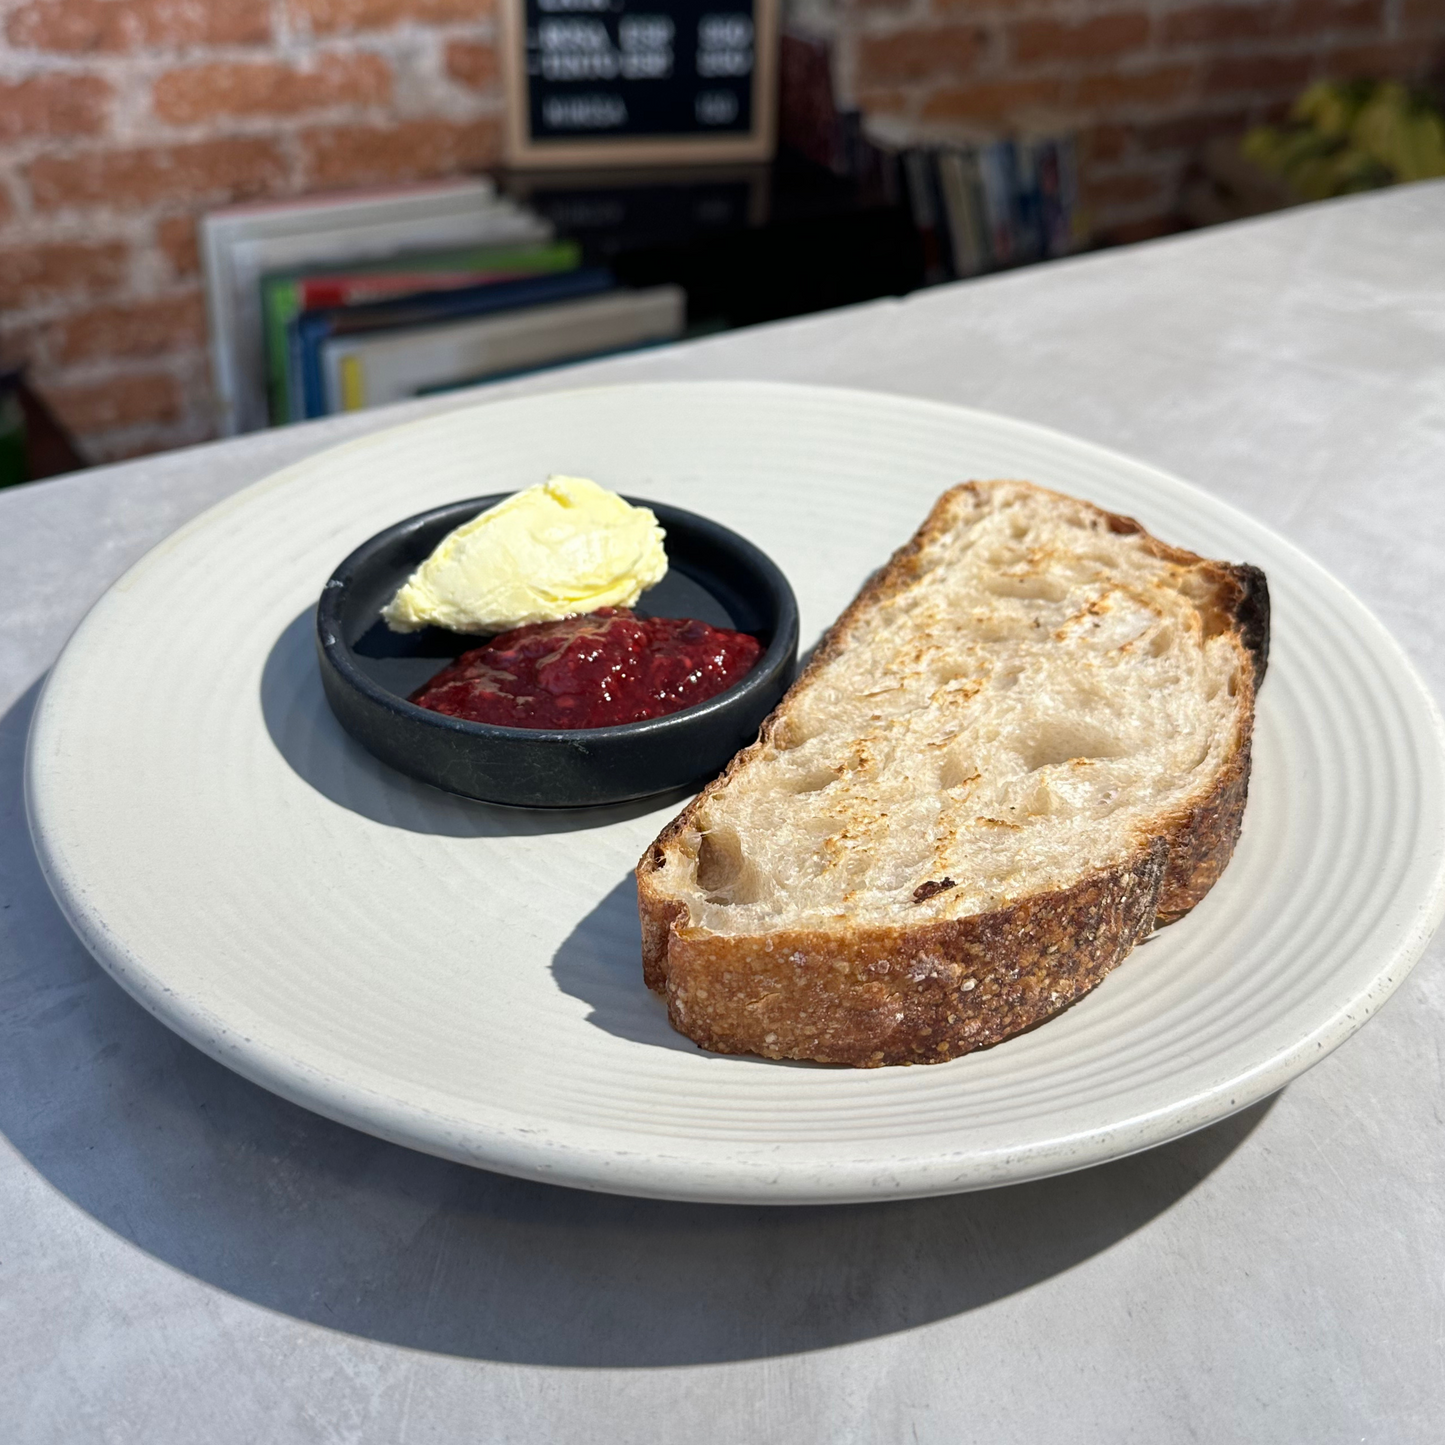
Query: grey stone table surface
{"points": [[184, 1257]]}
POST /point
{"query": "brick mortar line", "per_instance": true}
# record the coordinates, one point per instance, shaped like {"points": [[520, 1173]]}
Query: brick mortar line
{"points": [[1153, 51], [149, 62], [70, 225], [996, 30], [60, 309], [134, 71], [131, 122], [290, 48], [287, 134], [179, 365], [1124, 67], [266, 126]]}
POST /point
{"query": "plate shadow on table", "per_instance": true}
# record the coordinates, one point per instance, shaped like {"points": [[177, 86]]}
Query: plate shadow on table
{"points": [[314, 746], [257, 1197]]}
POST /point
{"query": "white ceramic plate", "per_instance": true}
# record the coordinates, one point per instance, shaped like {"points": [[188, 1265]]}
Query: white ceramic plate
{"points": [[466, 980]]}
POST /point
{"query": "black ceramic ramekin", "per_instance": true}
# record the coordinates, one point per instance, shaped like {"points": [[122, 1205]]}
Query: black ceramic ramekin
{"points": [[368, 672]]}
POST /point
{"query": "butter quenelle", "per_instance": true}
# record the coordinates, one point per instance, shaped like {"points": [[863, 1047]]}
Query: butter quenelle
{"points": [[552, 551]]}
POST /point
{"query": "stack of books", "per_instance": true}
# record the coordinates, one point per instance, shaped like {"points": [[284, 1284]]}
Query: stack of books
{"points": [[989, 205], [337, 303], [343, 339]]}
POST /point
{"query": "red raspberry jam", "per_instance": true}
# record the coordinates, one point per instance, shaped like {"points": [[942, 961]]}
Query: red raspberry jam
{"points": [[598, 671]]}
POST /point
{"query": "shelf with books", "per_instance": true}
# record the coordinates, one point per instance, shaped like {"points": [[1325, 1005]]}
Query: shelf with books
{"points": [[992, 204], [288, 295]]}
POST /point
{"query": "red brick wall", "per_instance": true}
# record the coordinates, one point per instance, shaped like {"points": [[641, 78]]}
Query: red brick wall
{"points": [[1145, 82], [121, 120]]}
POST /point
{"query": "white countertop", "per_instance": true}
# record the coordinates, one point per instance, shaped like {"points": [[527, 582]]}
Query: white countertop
{"points": [[185, 1257]]}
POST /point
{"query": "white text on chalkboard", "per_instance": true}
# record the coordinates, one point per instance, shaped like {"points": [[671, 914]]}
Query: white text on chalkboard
{"points": [[584, 112]]}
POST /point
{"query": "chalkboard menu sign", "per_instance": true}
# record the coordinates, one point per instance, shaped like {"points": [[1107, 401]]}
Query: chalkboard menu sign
{"points": [[639, 81]]}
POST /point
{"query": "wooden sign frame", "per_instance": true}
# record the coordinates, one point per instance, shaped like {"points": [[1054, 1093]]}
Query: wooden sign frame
{"points": [[526, 152]]}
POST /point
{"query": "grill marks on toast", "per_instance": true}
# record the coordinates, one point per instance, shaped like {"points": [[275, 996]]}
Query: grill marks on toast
{"points": [[1036, 712]]}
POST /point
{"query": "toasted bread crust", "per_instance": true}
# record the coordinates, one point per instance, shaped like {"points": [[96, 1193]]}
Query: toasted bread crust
{"points": [[869, 995], [921, 995], [1201, 840]]}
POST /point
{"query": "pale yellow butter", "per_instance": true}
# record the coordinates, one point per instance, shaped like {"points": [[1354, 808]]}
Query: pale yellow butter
{"points": [[560, 548]]}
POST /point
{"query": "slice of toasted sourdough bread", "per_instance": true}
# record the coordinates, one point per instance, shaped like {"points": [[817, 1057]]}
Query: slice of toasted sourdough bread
{"points": [[1023, 746]]}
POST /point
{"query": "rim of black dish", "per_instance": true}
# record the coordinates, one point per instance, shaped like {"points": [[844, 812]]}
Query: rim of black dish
{"points": [[338, 651]]}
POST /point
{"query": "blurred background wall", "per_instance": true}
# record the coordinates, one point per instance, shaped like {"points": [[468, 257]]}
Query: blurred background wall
{"points": [[1146, 82], [122, 120]]}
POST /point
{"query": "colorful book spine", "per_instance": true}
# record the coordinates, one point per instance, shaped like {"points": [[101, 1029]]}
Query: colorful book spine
{"points": [[921, 185], [958, 183], [983, 208], [286, 296], [1075, 225], [1028, 222], [310, 329], [1000, 200]]}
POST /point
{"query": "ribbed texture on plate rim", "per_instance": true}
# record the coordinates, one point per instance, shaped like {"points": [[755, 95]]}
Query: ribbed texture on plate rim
{"points": [[466, 980]]}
